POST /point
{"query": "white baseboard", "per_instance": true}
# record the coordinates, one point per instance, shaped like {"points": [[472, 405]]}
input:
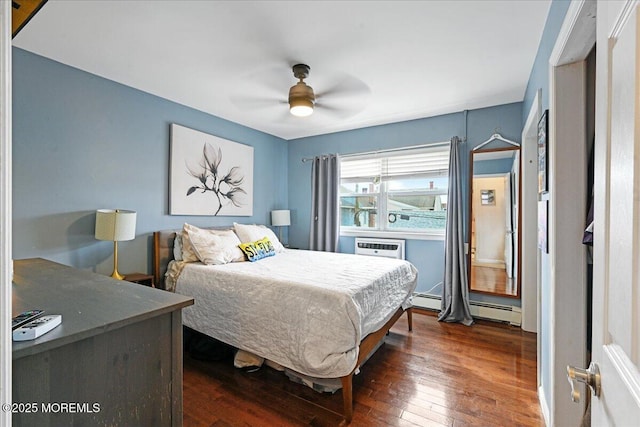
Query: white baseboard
{"points": [[426, 303], [501, 313]]}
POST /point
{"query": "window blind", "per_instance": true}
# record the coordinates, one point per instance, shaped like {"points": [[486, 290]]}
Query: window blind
{"points": [[417, 163]]}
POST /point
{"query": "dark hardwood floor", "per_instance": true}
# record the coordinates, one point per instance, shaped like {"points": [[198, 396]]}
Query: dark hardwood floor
{"points": [[438, 375]]}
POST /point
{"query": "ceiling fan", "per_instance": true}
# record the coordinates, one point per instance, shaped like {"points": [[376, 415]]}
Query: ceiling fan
{"points": [[344, 95]]}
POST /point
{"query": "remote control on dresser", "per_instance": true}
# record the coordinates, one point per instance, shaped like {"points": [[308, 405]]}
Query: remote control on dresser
{"points": [[37, 327]]}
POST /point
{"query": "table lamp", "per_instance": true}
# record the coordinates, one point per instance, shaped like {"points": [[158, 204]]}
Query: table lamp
{"points": [[280, 218], [115, 225]]}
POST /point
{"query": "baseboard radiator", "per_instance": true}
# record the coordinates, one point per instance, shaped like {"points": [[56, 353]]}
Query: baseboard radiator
{"points": [[481, 310]]}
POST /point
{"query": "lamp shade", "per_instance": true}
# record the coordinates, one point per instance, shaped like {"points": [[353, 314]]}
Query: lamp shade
{"points": [[115, 225], [280, 218]]}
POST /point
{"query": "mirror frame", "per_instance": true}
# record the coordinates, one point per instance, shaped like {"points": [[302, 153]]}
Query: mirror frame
{"points": [[519, 222]]}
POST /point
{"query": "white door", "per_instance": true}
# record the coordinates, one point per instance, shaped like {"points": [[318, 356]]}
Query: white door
{"points": [[616, 297]]}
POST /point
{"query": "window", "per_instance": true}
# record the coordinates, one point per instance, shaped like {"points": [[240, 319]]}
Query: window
{"points": [[401, 190]]}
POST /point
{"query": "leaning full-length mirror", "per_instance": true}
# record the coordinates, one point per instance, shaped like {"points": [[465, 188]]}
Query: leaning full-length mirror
{"points": [[494, 255]]}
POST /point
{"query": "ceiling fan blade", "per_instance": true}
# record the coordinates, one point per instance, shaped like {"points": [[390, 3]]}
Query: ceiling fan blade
{"points": [[340, 111], [263, 87], [343, 107], [345, 85], [247, 102], [328, 107]]}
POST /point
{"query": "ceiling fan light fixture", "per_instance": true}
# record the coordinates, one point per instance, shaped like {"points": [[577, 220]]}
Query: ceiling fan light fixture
{"points": [[301, 100], [301, 96]]}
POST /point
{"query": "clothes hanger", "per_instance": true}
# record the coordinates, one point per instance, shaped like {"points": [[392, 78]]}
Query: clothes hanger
{"points": [[494, 137]]}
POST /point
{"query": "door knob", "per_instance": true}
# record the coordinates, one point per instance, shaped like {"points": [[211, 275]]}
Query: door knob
{"points": [[590, 376]]}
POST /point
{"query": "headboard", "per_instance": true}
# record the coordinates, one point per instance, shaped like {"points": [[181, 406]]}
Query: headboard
{"points": [[162, 255]]}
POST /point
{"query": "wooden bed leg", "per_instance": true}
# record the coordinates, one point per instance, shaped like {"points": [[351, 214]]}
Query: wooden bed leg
{"points": [[410, 318], [347, 396]]}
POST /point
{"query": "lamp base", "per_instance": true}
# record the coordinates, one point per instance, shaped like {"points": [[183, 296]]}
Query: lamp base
{"points": [[116, 275]]}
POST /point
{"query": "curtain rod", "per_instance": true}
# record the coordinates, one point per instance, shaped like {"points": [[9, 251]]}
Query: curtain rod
{"points": [[389, 150]]}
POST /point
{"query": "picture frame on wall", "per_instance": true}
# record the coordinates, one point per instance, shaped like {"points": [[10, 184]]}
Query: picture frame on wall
{"points": [[543, 156], [488, 197], [209, 175]]}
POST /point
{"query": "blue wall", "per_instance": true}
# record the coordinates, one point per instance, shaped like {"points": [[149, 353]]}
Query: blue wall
{"points": [[81, 142], [426, 255], [485, 167]]}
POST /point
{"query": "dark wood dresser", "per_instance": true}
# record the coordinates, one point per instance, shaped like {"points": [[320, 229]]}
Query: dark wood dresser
{"points": [[116, 359]]}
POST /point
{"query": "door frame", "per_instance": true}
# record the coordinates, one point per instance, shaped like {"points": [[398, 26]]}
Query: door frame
{"points": [[6, 264], [529, 265], [568, 157], [530, 256]]}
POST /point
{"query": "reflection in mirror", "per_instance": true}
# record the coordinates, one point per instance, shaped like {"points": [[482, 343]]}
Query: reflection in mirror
{"points": [[494, 221]]}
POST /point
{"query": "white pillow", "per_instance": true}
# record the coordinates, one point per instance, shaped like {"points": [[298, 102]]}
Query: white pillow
{"points": [[188, 254], [212, 246], [251, 232]]}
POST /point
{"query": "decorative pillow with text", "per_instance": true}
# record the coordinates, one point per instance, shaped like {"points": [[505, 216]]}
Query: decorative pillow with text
{"points": [[257, 250]]}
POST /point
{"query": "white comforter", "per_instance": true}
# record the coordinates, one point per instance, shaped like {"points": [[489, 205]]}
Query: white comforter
{"points": [[305, 310]]}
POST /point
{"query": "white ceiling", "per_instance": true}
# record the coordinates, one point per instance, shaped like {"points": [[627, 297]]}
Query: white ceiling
{"points": [[377, 61]]}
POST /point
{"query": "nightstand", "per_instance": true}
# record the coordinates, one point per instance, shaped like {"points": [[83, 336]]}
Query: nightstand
{"points": [[140, 278]]}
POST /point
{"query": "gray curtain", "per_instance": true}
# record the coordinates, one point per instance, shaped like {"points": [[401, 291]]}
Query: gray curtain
{"points": [[455, 292], [325, 178]]}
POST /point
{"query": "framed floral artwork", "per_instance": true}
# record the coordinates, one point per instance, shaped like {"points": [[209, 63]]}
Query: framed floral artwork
{"points": [[209, 175]]}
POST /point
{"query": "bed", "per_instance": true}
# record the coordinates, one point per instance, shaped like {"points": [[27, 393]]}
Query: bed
{"points": [[317, 313]]}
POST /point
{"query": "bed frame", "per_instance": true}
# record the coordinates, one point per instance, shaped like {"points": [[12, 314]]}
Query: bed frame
{"points": [[163, 254]]}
